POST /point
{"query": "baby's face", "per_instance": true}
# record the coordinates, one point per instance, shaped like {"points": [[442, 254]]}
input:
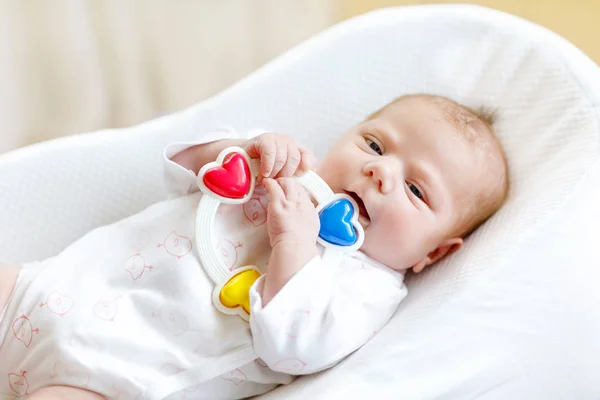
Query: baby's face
{"points": [[410, 172]]}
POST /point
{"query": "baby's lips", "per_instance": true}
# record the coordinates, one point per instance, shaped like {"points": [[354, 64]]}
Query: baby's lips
{"points": [[364, 221], [363, 211]]}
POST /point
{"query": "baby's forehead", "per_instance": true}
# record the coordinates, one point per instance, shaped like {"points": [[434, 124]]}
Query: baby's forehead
{"points": [[450, 135], [437, 108], [418, 121], [438, 125]]}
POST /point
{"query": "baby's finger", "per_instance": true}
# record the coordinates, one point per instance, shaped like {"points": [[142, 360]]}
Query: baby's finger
{"points": [[265, 149], [291, 188], [292, 162], [280, 158], [274, 190], [308, 159]]}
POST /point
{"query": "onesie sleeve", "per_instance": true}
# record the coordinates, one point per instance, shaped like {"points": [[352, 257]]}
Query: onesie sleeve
{"points": [[180, 181], [323, 314]]}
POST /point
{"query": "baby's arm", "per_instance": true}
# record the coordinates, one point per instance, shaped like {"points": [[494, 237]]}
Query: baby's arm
{"points": [[307, 316], [279, 154], [193, 158], [322, 314]]}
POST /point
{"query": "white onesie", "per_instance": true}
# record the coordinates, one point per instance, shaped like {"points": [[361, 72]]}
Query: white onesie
{"points": [[126, 311]]}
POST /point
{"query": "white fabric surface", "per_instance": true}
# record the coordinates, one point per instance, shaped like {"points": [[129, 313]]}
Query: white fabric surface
{"points": [[514, 315]]}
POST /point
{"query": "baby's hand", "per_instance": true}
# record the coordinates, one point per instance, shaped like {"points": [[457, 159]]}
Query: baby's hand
{"points": [[280, 155], [292, 219], [293, 226]]}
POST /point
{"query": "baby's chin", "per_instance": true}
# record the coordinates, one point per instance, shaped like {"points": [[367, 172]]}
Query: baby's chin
{"points": [[389, 259]]}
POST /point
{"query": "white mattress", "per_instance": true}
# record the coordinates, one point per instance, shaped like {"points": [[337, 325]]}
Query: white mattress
{"points": [[515, 315]]}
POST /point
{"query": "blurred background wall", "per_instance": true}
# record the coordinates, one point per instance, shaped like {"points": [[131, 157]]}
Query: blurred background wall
{"points": [[70, 66]]}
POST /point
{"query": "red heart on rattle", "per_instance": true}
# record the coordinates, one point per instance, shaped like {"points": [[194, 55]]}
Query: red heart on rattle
{"points": [[231, 180]]}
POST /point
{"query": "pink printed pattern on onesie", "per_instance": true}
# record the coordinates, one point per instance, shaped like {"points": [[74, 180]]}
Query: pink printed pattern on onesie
{"points": [[23, 330], [176, 245], [70, 373], [107, 309], [290, 365], [18, 383], [228, 252], [172, 319], [136, 265], [255, 211], [236, 376], [58, 303]]}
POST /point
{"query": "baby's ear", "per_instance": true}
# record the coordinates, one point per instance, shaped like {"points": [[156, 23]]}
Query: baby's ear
{"points": [[445, 248]]}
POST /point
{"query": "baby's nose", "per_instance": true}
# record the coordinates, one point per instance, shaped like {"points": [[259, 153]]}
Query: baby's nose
{"points": [[382, 175]]}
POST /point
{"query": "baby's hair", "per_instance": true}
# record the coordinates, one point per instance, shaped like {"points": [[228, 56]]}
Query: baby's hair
{"points": [[487, 115], [476, 126]]}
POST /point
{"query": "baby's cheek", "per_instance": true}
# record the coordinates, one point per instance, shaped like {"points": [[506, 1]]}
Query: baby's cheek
{"points": [[386, 243], [331, 168], [391, 240]]}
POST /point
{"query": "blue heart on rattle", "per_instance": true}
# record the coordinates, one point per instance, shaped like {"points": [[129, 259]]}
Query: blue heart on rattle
{"points": [[336, 223]]}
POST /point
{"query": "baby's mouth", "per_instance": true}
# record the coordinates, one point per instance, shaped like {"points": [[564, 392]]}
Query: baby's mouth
{"points": [[363, 214]]}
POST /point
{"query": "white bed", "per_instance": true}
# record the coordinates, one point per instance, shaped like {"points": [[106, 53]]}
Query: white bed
{"points": [[515, 315]]}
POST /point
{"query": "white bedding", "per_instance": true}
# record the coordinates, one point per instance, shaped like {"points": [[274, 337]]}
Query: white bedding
{"points": [[515, 315]]}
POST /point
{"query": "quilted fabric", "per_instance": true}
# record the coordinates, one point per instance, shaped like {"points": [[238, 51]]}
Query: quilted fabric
{"points": [[511, 316]]}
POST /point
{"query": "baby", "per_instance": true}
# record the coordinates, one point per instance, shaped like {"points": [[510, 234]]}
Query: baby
{"points": [[126, 311]]}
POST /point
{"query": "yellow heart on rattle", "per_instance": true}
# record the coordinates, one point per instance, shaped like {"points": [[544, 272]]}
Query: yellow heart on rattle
{"points": [[236, 291]]}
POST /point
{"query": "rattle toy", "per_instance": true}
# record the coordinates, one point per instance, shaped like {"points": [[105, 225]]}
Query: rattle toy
{"points": [[231, 179]]}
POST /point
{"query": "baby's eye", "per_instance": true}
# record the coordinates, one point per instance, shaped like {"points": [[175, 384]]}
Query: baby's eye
{"points": [[374, 146], [416, 191]]}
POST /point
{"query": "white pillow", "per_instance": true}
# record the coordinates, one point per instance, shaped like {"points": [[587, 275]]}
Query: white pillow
{"points": [[514, 315]]}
